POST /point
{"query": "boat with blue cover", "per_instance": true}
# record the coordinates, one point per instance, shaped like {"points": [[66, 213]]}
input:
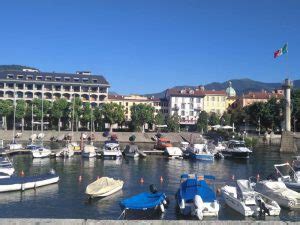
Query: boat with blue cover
{"points": [[196, 197], [146, 201], [24, 183]]}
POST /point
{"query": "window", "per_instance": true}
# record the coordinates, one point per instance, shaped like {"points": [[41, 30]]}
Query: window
{"points": [[57, 78], [76, 79], [198, 100], [38, 78], [20, 77], [182, 113], [191, 99], [213, 98], [182, 105], [67, 78], [95, 81], [191, 106], [176, 99], [29, 77], [126, 103], [48, 78], [191, 113], [10, 76], [85, 80]]}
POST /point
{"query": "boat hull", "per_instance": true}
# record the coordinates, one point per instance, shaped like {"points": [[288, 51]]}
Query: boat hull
{"points": [[238, 155], [41, 154], [107, 193], [203, 157], [88, 154]]}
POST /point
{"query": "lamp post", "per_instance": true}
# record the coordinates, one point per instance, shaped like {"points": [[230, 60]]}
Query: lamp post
{"points": [[259, 126]]}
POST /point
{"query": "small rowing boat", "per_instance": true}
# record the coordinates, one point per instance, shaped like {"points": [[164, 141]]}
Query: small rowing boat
{"points": [[103, 187]]}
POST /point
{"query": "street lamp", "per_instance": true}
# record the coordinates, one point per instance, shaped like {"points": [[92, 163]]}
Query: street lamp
{"points": [[259, 126]]}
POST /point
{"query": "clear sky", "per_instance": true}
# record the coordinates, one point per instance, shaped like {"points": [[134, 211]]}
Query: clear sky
{"points": [[146, 46]]}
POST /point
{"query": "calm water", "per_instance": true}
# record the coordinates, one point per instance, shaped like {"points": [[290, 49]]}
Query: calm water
{"points": [[67, 199]]}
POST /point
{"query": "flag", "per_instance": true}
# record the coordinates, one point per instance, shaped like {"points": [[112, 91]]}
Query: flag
{"points": [[281, 51]]}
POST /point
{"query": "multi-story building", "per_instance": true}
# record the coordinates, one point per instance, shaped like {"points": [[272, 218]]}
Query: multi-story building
{"points": [[215, 101], [160, 105], [187, 103], [262, 96], [30, 84]]}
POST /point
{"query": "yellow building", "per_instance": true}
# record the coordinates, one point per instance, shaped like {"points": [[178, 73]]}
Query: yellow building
{"points": [[128, 101], [215, 101]]}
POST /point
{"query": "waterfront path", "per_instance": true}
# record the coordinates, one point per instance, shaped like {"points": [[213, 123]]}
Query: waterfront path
{"points": [[22, 221]]}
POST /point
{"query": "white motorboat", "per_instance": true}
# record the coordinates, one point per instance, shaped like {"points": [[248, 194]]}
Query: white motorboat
{"points": [[14, 146], [103, 187], [173, 152], [278, 191], [66, 152], [111, 149], [200, 152], [236, 149], [220, 147], [6, 167], [89, 151], [248, 202], [24, 183], [288, 176], [39, 151]]}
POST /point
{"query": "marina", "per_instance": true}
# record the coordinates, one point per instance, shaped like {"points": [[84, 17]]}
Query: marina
{"points": [[67, 198]]}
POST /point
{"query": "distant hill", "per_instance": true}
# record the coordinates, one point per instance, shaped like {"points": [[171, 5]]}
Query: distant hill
{"points": [[240, 85], [15, 67]]}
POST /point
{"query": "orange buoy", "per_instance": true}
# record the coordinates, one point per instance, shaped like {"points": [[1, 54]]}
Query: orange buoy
{"points": [[22, 173], [232, 177], [80, 178], [161, 179], [257, 177], [142, 180]]}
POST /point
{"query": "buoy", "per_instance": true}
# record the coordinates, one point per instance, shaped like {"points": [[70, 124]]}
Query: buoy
{"points": [[161, 179], [257, 177], [22, 173], [142, 180], [232, 177], [80, 178]]}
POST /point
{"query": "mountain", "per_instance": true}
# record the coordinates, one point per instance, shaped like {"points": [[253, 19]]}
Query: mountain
{"points": [[14, 67], [240, 85]]}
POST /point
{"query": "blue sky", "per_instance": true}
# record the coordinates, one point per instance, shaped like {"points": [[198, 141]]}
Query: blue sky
{"points": [[146, 46]]}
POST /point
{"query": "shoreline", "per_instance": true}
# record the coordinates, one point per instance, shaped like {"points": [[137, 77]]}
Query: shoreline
{"points": [[37, 221]]}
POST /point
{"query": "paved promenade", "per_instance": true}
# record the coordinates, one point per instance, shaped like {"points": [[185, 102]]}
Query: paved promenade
{"points": [[135, 222]]}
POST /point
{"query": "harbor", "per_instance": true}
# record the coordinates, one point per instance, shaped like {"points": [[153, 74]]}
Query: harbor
{"points": [[67, 198]]}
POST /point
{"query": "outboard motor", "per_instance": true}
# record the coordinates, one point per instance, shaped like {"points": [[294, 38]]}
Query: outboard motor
{"points": [[263, 210], [153, 189]]}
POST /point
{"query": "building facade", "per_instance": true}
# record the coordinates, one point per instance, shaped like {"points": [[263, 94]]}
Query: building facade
{"points": [[262, 96], [215, 102], [31, 84], [186, 103], [160, 105]]}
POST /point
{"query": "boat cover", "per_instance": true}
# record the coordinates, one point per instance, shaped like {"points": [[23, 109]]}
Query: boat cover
{"points": [[103, 185], [21, 180], [192, 187], [143, 201]]}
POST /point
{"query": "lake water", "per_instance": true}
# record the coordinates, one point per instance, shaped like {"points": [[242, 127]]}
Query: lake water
{"points": [[67, 199]]}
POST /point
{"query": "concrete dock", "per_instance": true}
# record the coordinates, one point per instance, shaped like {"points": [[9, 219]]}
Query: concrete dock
{"points": [[21, 221]]}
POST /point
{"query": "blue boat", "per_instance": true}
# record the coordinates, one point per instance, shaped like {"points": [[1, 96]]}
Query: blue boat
{"points": [[145, 201], [200, 152], [195, 197]]}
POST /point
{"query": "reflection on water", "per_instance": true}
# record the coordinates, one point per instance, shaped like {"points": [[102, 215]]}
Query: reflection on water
{"points": [[67, 199]]}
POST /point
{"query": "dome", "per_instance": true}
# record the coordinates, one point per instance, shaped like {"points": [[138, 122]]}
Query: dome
{"points": [[230, 91]]}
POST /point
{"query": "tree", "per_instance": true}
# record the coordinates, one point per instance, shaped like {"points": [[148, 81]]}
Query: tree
{"points": [[112, 114], [37, 109], [77, 106], [60, 109], [142, 114], [6, 109], [173, 123], [159, 119], [202, 122], [98, 120], [21, 111], [225, 119], [213, 119], [86, 116], [296, 109]]}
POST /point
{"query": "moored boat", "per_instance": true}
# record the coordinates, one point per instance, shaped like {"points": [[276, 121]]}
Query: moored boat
{"points": [[236, 149], [24, 183], [173, 152], [243, 199], [195, 197], [111, 149], [6, 167], [200, 152], [288, 176], [103, 187], [89, 151], [39, 151]]}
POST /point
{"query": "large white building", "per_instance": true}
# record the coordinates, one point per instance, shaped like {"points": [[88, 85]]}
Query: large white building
{"points": [[30, 84], [187, 103]]}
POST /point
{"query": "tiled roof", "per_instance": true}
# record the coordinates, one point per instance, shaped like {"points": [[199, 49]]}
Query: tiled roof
{"points": [[123, 98], [89, 79]]}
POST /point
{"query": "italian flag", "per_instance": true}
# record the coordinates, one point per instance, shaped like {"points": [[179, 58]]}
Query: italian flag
{"points": [[281, 51]]}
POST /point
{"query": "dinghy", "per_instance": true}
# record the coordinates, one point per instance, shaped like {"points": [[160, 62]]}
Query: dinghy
{"points": [[146, 201], [103, 187], [248, 202], [195, 197], [24, 183], [288, 176], [278, 191]]}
